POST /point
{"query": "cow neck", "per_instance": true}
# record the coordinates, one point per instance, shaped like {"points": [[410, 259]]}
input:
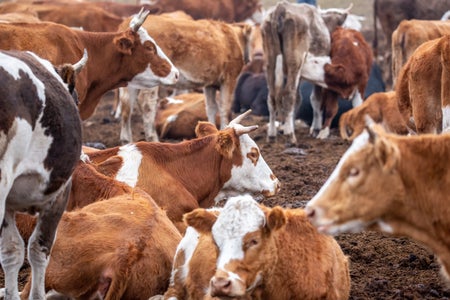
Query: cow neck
{"points": [[103, 70]]}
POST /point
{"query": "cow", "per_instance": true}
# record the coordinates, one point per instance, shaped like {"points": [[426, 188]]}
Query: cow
{"points": [[347, 76], [389, 183], [126, 57], [209, 54], [290, 31], [409, 35], [422, 87], [390, 13], [251, 93], [107, 250], [246, 249], [40, 144], [19, 17], [380, 107], [193, 173]]}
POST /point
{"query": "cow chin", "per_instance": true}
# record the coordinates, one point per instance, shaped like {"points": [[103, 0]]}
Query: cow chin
{"points": [[354, 226]]}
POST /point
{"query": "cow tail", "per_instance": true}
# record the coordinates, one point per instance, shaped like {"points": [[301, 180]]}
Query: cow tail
{"points": [[402, 94], [398, 53], [375, 32]]}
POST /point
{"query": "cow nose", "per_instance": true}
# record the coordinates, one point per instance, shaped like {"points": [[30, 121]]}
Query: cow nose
{"points": [[220, 286], [177, 75], [310, 212]]}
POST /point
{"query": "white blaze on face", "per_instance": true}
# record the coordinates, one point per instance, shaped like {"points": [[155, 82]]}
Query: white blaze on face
{"points": [[254, 175], [239, 216], [129, 171], [148, 79]]}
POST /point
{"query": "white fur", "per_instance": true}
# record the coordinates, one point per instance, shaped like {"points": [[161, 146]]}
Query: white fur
{"points": [[188, 244], [446, 118], [129, 171], [313, 69]]}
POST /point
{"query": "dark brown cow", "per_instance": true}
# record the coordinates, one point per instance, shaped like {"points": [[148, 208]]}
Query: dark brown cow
{"points": [[40, 143], [109, 53], [391, 12]]}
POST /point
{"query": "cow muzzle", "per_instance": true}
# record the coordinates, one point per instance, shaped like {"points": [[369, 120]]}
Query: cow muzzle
{"points": [[275, 190], [224, 286]]}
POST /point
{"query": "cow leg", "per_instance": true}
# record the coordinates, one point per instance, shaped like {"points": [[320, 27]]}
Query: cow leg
{"points": [[271, 98], [148, 104], [357, 99], [127, 104], [331, 108], [445, 93], [41, 241], [12, 253], [315, 98], [226, 99], [210, 103]]}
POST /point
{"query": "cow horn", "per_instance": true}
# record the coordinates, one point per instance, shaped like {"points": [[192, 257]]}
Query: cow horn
{"points": [[139, 19], [239, 118], [77, 67], [240, 130], [349, 8]]}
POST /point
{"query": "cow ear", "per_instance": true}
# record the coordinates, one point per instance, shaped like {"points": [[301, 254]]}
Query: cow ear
{"points": [[205, 128], [385, 151], [275, 218], [225, 144], [200, 219], [124, 44]]}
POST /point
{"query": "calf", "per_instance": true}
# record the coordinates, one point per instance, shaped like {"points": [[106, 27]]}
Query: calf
{"points": [[193, 173], [107, 250], [393, 184], [40, 143], [409, 35], [129, 56], [252, 250], [380, 107], [347, 76], [423, 87]]}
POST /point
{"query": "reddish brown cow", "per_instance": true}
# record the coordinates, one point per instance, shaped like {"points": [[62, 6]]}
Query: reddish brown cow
{"points": [[251, 250], [423, 87], [380, 107], [146, 64], [193, 173], [346, 76]]}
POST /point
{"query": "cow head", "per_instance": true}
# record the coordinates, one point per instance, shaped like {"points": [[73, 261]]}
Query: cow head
{"points": [[243, 233], [362, 189], [249, 171], [155, 67], [313, 68], [334, 17]]}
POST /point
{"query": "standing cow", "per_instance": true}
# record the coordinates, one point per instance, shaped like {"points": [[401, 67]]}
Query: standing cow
{"points": [[40, 143], [291, 31]]}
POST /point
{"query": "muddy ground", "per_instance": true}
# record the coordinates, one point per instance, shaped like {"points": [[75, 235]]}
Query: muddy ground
{"points": [[382, 267]]}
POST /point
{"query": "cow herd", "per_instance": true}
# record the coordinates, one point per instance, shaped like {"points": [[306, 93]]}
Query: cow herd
{"points": [[160, 220]]}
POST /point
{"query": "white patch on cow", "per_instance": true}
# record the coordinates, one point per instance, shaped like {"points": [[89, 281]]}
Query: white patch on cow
{"points": [[385, 227], [356, 44], [148, 79], [313, 69], [358, 143], [171, 100], [48, 65], [13, 65], [353, 22], [446, 118], [249, 177], [354, 226], [239, 216], [129, 171], [172, 118], [188, 244], [279, 76]]}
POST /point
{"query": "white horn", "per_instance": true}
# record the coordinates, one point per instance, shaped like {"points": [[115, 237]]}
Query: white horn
{"points": [[240, 130], [239, 118], [77, 67], [349, 8], [138, 19]]}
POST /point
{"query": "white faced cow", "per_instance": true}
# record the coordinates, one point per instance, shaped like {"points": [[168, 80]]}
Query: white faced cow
{"points": [[40, 143]]}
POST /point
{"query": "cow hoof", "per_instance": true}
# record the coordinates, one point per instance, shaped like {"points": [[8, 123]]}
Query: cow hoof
{"points": [[314, 132], [324, 133]]}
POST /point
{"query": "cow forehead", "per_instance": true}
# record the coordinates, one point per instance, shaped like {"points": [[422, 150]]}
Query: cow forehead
{"points": [[239, 216], [144, 36], [247, 143]]}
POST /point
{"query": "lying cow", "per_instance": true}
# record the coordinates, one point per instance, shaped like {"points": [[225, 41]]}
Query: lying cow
{"points": [[380, 107], [409, 35], [120, 248], [248, 251], [40, 143], [194, 173], [422, 87], [389, 183]]}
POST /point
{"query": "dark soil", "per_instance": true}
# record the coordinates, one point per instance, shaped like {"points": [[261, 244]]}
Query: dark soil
{"points": [[382, 267]]}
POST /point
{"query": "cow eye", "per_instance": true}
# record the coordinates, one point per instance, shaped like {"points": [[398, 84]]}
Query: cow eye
{"points": [[349, 131], [150, 46], [353, 172]]}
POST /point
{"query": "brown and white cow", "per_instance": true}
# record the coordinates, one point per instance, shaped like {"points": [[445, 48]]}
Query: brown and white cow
{"points": [[194, 173], [129, 56], [409, 35], [40, 143], [346, 76], [119, 248], [290, 31], [209, 54], [390, 183], [423, 87], [380, 107], [249, 251]]}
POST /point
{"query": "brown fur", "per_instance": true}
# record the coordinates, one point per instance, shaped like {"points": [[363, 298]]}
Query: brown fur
{"points": [[409, 35], [108, 248], [394, 184], [380, 107], [294, 260], [423, 84]]}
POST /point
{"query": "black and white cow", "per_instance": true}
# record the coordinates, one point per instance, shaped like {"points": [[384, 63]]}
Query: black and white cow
{"points": [[40, 143]]}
